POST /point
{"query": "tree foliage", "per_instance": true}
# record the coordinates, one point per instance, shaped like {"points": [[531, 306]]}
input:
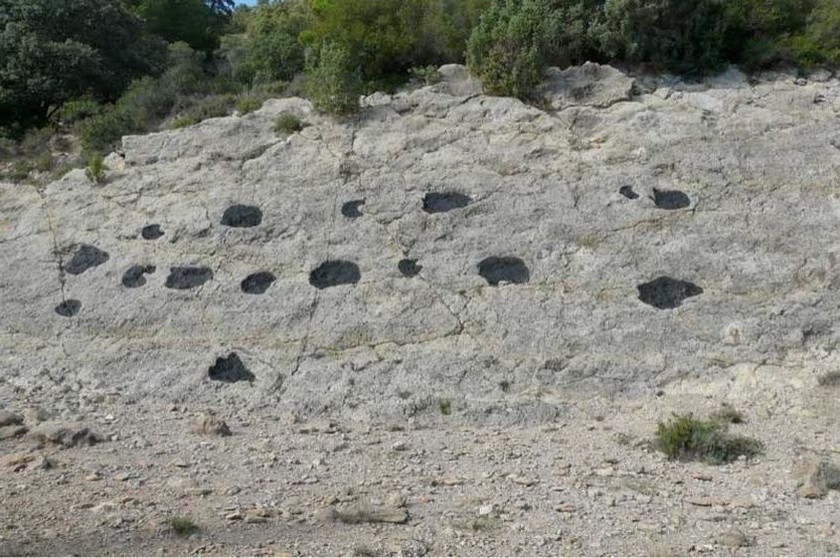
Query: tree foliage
{"points": [[508, 49], [52, 51], [335, 81]]}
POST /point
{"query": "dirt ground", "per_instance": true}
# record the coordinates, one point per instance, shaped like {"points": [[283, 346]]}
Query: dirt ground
{"points": [[590, 485]]}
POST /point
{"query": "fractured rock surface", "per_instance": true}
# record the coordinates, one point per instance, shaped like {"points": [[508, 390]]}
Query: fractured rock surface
{"points": [[727, 186]]}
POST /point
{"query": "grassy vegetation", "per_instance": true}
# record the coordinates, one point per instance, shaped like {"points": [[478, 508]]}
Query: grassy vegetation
{"points": [[95, 171], [688, 439], [182, 526], [287, 124], [445, 406]]}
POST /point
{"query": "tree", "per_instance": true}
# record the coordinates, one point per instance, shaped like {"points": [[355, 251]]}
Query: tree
{"points": [[382, 36], [335, 83], [54, 50], [507, 50], [191, 21], [684, 36]]}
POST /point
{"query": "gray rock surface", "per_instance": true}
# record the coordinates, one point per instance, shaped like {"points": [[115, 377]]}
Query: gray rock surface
{"points": [[720, 198]]}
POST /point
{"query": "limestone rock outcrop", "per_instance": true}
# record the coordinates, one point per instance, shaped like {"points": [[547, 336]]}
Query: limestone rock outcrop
{"points": [[493, 254]]}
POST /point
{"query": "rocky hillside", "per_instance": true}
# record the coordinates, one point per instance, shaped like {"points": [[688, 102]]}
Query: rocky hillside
{"points": [[449, 326], [442, 246]]}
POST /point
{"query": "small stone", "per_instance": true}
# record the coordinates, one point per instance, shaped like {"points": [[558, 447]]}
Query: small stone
{"points": [[67, 435], [486, 510], [33, 416], [816, 477], [368, 514], [450, 480], [235, 516], [104, 507], [414, 547], [9, 432], [399, 446], [523, 480], [93, 477], [396, 500], [8, 418], [210, 425], [733, 539]]}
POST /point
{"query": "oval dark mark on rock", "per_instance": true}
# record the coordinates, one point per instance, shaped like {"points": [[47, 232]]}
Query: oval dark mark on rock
{"points": [[665, 292], [351, 209], [86, 257], [133, 276], [333, 273], [627, 192], [182, 278], [151, 232], [230, 370], [509, 269], [441, 202], [670, 199], [242, 216], [257, 283], [68, 308], [409, 268]]}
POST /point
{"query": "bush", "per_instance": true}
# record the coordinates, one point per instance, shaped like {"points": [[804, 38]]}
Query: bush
{"points": [[507, 49], [248, 103], [819, 44], [287, 124], [78, 110], [95, 171], [144, 103], [426, 75], [182, 526], [683, 36], [335, 83], [688, 439], [197, 110], [270, 49], [381, 37]]}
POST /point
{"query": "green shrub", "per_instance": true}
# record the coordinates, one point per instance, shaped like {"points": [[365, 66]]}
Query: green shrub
{"points": [[683, 36], [182, 526], [335, 83], [688, 439], [184, 122], [144, 104], [196, 110], [287, 124], [819, 44], [44, 162], [95, 171], [247, 103], [19, 171], [103, 131], [77, 110], [507, 49], [381, 37], [445, 406], [427, 75]]}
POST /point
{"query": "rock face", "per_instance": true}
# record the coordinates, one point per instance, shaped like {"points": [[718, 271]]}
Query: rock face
{"points": [[490, 250]]}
